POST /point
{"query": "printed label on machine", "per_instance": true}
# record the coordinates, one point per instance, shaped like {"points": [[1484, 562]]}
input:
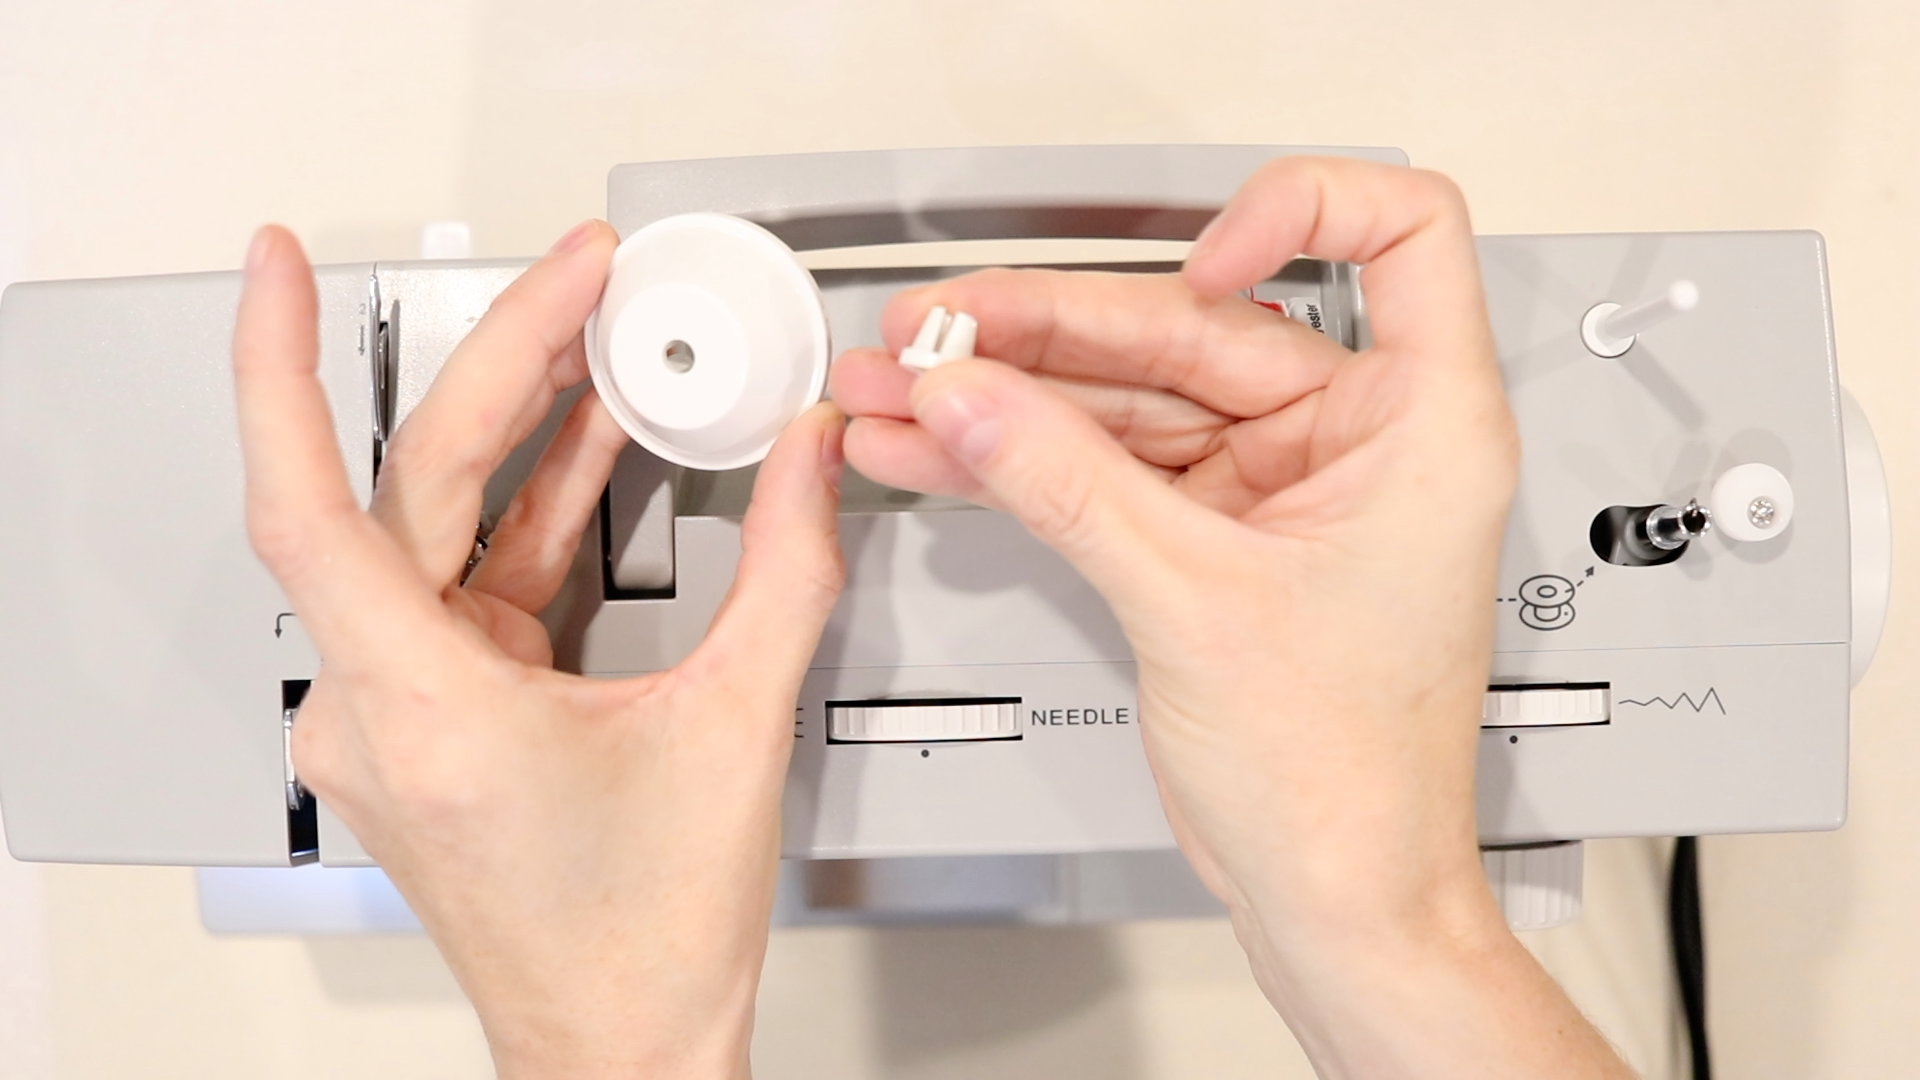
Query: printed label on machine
{"points": [[1086, 717]]}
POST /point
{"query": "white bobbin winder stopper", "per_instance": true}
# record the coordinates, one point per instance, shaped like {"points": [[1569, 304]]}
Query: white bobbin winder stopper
{"points": [[709, 339]]}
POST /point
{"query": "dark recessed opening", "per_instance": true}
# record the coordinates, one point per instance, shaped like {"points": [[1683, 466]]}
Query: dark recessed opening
{"points": [[303, 822], [1619, 535], [678, 356]]}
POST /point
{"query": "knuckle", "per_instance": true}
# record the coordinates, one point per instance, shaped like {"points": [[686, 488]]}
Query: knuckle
{"points": [[830, 577], [1282, 169], [516, 318], [318, 758], [423, 460], [815, 568], [282, 544], [1062, 508], [1440, 191], [423, 775], [1286, 180], [994, 279], [411, 768], [538, 514]]}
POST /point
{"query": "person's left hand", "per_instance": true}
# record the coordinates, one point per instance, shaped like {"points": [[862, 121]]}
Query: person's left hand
{"points": [[595, 858]]}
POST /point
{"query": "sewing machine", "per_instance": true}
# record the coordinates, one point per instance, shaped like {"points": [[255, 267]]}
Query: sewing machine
{"points": [[1693, 575]]}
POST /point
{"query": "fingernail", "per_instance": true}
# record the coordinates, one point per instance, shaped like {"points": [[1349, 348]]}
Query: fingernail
{"points": [[574, 238], [965, 423], [257, 249]]}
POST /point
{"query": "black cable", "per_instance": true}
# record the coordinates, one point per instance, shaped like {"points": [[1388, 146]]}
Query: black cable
{"points": [[1689, 950]]}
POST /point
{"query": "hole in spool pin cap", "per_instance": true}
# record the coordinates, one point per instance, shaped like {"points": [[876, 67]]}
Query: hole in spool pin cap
{"points": [[678, 356], [709, 339]]}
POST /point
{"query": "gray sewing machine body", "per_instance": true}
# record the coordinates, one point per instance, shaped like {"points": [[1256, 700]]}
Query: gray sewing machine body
{"points": [[149, 659]]}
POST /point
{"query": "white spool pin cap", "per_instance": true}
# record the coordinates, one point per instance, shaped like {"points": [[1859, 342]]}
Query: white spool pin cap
{"points": [[1751, 502], [709, 339], [942, 337]]}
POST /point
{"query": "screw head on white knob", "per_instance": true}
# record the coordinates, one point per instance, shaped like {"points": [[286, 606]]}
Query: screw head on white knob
{"points": [[1751, 503], [709, 339]]}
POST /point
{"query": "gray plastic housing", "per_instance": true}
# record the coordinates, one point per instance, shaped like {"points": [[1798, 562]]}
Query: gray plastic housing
{"points": [[145, 650]]}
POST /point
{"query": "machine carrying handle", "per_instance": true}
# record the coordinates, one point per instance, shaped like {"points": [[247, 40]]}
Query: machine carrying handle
{"points": [[813, 201]]}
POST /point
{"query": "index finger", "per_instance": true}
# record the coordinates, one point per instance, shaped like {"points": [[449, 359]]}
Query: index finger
{"points": [[1407, 228], [1149, 330], [302, 516]]}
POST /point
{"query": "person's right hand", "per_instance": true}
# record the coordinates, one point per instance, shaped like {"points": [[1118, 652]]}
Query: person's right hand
{"points": [[1301, 544]]}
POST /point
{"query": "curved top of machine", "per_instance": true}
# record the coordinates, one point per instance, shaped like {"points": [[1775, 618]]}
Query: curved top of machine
{"points": [[1144, 192]]}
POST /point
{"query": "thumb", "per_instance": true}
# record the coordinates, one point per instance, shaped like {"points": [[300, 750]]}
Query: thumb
{"points": [[790, 569], [1057, 470]]}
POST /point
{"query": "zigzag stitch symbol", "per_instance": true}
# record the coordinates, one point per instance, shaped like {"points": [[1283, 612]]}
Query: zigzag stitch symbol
{"points": [[1712, 695]]}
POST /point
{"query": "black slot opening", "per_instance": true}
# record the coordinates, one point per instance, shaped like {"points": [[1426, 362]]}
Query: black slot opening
{"points": [[1619, 535], [303, 824]]}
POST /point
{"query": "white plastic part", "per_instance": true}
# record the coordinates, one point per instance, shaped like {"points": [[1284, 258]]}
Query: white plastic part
{"points": [[942, 337], [446, 240], [1609, 330], [709, 339], [1870, 515], [954, 721], [1538, 885], [1751, 503], [1543, 706]]}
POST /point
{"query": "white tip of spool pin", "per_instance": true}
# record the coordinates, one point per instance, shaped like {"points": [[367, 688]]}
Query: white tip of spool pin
{"points": [[1609, 330], [709, 339], [1751, 502], [942, 337]]}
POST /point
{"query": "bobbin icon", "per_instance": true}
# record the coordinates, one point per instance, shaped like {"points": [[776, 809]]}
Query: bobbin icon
{"points": [[1546, 602], [709, 339]]}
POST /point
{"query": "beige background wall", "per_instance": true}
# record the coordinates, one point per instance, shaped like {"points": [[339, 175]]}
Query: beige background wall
{"points": [[146, 138]]}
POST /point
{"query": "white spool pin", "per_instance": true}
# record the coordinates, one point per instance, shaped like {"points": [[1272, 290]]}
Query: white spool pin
{"points": [[1609, 330], [709, 339], [1751, 503]]}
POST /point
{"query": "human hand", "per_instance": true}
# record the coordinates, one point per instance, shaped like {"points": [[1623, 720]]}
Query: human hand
{"points": [[595, 858], [1300, 544]]}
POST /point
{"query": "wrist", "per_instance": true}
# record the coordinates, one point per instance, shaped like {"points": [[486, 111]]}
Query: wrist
{"points": [[621, 1056], [614, 1033], [1352, 916], [1440, 987]]}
